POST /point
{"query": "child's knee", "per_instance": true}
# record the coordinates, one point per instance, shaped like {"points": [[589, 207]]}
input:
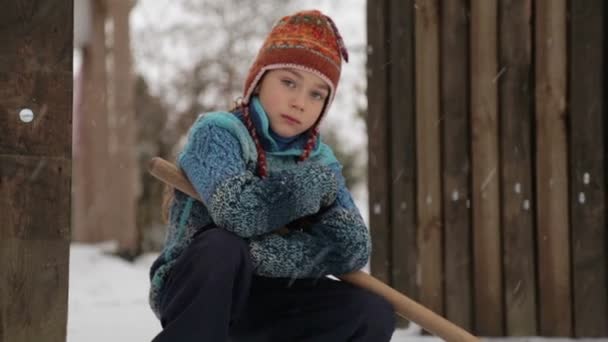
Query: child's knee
{"points": [[221, 247], [378, 315]]}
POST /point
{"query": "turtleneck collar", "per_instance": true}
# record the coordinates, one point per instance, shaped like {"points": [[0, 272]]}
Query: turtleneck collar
{"points": [[281, 141], [272, 142]]}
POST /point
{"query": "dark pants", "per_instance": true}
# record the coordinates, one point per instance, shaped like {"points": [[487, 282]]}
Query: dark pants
{"points": [[211, 295]]}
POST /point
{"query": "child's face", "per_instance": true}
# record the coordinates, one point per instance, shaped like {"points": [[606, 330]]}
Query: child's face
{"points": [[293, 100]]}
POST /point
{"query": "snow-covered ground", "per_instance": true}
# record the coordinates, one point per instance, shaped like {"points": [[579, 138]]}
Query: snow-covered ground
{"points": [[108, 300]]}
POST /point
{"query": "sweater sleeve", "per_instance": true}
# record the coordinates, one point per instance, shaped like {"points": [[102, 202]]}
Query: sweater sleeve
{"points": [[335, 242], [238, 200]]}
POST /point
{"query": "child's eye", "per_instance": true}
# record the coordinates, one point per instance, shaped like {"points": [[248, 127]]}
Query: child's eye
{"points": [[317, 96], [289, 83]]}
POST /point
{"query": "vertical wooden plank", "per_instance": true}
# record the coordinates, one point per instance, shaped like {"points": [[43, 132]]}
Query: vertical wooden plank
{"points": [[587, 168], [35, 169], [516, 118], [551, 169], [378, 147], [403, 151], [428, 154], [486, 173], [456, 162]]}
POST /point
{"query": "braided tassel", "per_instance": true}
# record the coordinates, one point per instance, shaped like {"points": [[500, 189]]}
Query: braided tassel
{"points": [[343, 50], [310, 144], [262, 165]]}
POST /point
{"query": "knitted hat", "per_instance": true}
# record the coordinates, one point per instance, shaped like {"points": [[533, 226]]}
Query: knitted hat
{"points": [[306, 40]]}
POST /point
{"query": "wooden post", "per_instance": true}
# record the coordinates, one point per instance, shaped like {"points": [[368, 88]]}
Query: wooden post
{"points": [[553, 235], [456, 162], [587, 168], [428, 155], [403, 151], [35, 168], [516, 121], [486, 174], [377, 126]]}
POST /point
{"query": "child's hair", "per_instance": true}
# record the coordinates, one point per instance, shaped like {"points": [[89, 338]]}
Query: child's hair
{"points": [[166, 202]]}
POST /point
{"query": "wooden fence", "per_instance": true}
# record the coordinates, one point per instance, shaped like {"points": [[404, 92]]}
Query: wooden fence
{"points": [[487, 144]]}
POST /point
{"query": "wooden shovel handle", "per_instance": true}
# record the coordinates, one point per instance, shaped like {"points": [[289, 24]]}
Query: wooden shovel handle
{"points": [[404, 306]]}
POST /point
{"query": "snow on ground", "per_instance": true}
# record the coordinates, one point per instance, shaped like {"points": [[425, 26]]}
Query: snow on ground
{"points": [[108, 300], [108, 297]]}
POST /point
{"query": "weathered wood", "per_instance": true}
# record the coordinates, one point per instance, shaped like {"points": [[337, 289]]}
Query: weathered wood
{"points": [[516, 120], [33, 71], [551, 169], [456, 162], [587, 168], [532, 273], [489, 311], [428, 151], [403, 152], [33, 191], [34, 289], [35, 169], [377, 125]]}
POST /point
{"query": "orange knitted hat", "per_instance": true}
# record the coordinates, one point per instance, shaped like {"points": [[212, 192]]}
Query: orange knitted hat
{"points": [[306, 40]]}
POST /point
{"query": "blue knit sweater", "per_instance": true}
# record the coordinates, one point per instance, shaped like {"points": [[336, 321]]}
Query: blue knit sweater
{"points": [[220, 160]]}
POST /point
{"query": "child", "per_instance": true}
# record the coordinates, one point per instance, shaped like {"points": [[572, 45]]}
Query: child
{"points": [[226, 273]]}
